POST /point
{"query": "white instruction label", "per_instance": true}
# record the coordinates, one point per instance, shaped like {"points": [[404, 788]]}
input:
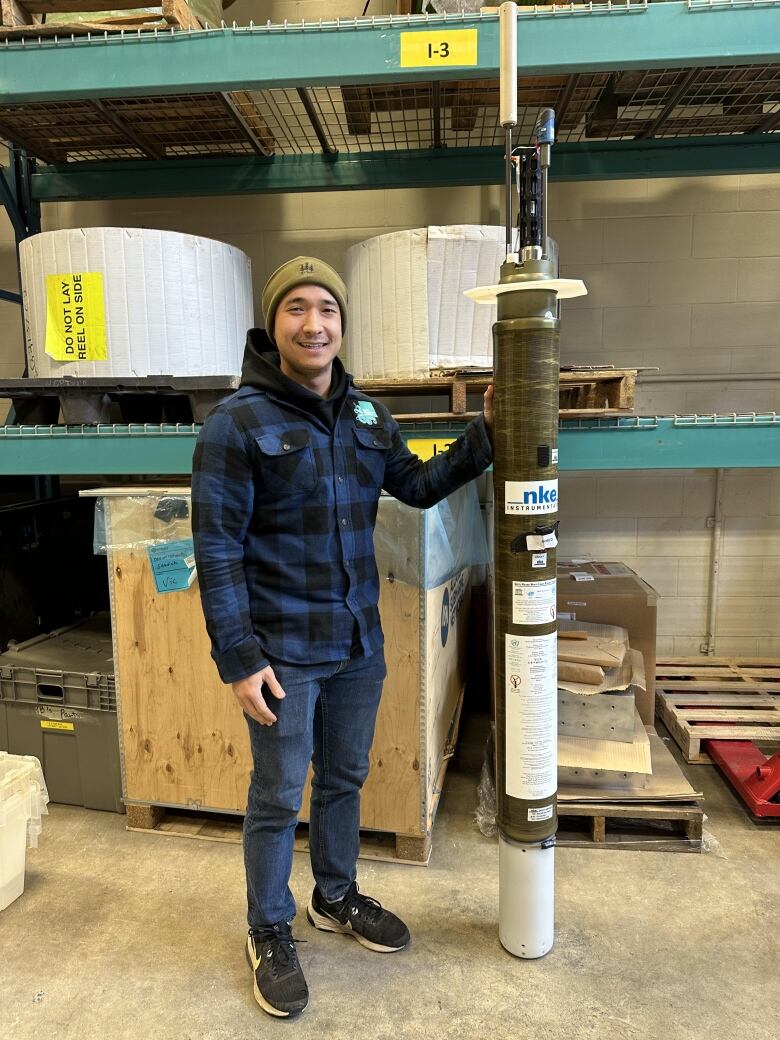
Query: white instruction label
{"points": [[531, 496], [531, 696], [539, 560], [533, 602], [544, 812], [554, 456], [581, 576]]}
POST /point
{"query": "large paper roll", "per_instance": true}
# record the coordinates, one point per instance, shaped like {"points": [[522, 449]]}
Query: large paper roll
{"points": [[134, 302]]}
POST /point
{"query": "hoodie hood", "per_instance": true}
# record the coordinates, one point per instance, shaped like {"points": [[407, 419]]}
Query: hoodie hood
{"points": [[262, 369]]}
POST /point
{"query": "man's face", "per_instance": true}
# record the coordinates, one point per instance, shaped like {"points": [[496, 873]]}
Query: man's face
{"points": [[307, 330]]}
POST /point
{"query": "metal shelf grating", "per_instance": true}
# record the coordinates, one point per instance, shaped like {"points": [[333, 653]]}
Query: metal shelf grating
{"points": [[381, 118]]}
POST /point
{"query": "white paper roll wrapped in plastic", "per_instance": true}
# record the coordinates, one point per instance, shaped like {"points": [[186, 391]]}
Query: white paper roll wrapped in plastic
{"points": [[134, 302]]}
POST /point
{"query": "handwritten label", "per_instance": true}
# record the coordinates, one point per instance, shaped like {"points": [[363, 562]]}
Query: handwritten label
{"points": [[169, 565]]}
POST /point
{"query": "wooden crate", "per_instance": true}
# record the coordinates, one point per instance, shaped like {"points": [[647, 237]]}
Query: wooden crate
{"points": [[718, 699], [27, 17], [183, 738]]}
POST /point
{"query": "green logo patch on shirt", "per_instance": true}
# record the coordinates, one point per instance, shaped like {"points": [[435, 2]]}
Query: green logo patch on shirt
{"points": [[366, 413]]}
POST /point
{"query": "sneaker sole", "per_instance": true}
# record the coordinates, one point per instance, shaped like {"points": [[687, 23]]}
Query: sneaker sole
{"points": [[269, 1008], [327, 924]]}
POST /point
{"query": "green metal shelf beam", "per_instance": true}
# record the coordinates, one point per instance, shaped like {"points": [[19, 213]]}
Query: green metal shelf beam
{"points": [[683, 442], [574, 40], [597, 160]]}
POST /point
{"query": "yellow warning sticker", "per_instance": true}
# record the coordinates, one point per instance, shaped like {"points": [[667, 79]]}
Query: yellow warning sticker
{"points": [[428, 447], [76, 317], [441, 47], [53, 724]]}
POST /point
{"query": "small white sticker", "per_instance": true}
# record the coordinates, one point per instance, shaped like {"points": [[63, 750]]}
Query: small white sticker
{"points": [[554, 455], [542, 541], [544, 812], [533, 602], [539, 560], [581, 576], [531, 496]]}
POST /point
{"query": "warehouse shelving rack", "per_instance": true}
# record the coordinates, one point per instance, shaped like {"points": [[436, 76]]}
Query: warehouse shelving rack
{"points": [[640, 89]]}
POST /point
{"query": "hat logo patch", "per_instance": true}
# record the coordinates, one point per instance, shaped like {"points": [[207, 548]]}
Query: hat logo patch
{"points": [[366, 413], [306, 268]]}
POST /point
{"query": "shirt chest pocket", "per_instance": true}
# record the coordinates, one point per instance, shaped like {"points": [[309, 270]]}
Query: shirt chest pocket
{"points": [[286, 461], [371, 448]]}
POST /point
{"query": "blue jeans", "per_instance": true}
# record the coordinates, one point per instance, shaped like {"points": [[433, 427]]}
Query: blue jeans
{"points": [[327, 718]]}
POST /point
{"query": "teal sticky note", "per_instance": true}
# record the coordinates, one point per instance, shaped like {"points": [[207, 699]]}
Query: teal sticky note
{"points": [[172, 565]]}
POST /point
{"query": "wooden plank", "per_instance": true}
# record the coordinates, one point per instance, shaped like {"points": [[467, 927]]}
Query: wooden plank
{"points": [[760, 734], [14, 13], [619, 811], [688, 744], [458, 393], [716, 662], [414, 850], [727, 715], [24, 18], [719, 700], [75, 6], [715, 685]]}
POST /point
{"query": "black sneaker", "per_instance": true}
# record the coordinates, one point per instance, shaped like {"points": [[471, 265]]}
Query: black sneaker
{"points": [[361, 917], [280, 988]]}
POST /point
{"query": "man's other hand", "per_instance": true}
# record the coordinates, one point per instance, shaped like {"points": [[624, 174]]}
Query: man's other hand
{"points": [[249, 695], [488, 409]]}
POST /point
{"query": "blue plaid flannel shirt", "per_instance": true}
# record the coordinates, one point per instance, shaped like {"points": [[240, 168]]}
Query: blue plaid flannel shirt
{"points": [[283, 514]]}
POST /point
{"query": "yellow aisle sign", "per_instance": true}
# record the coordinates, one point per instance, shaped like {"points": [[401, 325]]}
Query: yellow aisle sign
{"points": [[442, 47], [75, 317], [426, 447], [53, 724]]}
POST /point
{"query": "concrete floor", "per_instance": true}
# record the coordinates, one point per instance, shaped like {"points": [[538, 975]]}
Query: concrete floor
{"points": [[123, 935]]}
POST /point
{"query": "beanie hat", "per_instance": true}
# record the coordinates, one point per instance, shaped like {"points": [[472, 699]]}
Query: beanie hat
{"points": [[303, 270]]}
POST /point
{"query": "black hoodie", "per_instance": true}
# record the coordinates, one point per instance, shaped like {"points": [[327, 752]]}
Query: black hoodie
{"points": [[262, 368]]}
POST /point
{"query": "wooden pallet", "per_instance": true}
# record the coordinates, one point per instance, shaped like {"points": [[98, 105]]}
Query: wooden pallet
{"points": [[584, 392], [374, 845], [87, 400], [718, 699], [667, 828], [26, 18]]}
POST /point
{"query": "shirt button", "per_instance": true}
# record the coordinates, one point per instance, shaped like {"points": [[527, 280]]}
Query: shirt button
{"points": [[344, 522], [341, 480], [286, 447]]}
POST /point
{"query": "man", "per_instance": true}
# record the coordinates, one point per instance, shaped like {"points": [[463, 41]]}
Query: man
{"points": [[286, 483]]}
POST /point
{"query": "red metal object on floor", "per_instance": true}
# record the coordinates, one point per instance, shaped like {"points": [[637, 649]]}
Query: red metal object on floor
{"points": [[755, 777]]}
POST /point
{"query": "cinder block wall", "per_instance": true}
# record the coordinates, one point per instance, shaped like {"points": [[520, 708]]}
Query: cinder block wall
{"points": [[683, 275]]}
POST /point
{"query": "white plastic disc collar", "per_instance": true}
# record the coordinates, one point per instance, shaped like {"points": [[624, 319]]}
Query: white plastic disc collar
{"points": [[566, 289]]}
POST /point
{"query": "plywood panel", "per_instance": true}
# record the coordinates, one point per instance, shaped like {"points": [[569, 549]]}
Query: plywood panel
{"points": [[184, 737], [391, 797]]}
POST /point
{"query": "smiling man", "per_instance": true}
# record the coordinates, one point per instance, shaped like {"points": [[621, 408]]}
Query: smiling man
{"points": [[286, 482]]}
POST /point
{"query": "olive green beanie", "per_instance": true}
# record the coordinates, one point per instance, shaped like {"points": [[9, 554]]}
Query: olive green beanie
{"points": [[303, 270]]}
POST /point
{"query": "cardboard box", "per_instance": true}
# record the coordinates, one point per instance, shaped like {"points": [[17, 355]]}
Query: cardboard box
{"points": [[613, 594]]}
